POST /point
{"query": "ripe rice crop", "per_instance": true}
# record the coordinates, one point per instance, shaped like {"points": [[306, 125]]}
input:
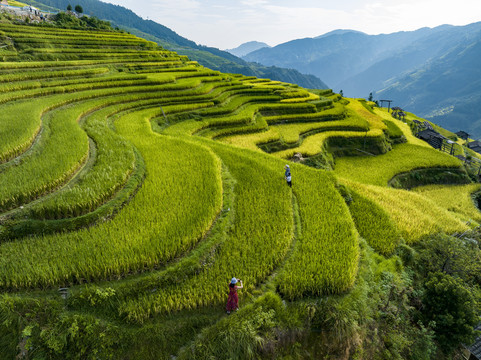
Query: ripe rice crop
{"points": [[21, 121], [291, 133], [255, 126], [22, 43], [25, 188], [457, 199], [314, 144], [411, 139], [114, 162], [307, 97], [325, 258], [48, 167], [335, 113], [152, 229], [393, 130], [288, 108], [33, 75], [250, 141], [380, 169], [414, 215], [235, 102], [172, 226], [244, 115], [259, 240], [374, 120], [25, 29], [374, 224]]}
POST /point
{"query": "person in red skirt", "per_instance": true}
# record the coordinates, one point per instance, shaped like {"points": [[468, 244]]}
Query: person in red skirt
{"points": [[233, 300]]}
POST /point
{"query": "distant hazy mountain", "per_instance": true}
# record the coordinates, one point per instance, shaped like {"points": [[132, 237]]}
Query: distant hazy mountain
{"points": [[435, 73], [446, 90], [207, 56], [247, 47], [336, 56], [435, 44]]}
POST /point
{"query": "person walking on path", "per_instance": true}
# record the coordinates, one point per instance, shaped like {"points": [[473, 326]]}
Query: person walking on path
{"points": [[233, 300], [287, 175]]}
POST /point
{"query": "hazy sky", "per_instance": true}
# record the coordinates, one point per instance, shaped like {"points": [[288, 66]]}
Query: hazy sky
{"points": [[229, 23]]}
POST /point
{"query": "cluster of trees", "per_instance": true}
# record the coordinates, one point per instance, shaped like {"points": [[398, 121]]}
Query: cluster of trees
{"points": [[448, 271], [68, 20], [78, 8]]}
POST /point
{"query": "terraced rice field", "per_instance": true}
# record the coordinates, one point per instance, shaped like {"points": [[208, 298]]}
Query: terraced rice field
{"points": [[129, 172]]}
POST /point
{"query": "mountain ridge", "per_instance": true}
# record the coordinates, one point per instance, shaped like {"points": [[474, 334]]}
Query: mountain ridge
{"points": [[247, 48]]}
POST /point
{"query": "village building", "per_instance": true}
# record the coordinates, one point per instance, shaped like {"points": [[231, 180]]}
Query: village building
{"points": [[463, 135], [475, 146], [432, 137]]}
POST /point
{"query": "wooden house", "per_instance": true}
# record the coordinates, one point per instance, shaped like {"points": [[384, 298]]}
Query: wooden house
{"points": [[475, 146], [432, 137], [463, 135]]}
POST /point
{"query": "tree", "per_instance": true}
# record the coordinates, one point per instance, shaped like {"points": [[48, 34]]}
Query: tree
{"points": [[453, 309], [69, 7], [79, 9], [370, 97], [341, 93], [450, 255]]}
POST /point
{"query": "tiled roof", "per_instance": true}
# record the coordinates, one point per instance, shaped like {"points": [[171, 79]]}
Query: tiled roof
{"points": [[473, 144]]}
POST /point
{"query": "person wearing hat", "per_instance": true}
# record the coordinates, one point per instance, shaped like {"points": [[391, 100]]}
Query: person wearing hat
{"points": [[287, 175], [233, 300]]}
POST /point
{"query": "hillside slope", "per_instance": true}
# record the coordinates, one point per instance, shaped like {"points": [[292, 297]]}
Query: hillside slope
{"points": [[446, 90], [136, 183], [208, 56], [336, 56]]}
